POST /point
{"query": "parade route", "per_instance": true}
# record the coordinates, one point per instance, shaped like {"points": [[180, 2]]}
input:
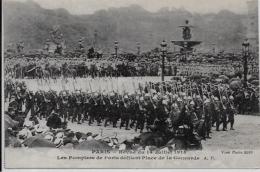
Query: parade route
{"points": [[223, 143], [245, 135]]}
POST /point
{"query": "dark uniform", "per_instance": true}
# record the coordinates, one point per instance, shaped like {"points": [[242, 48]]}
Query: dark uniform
{"points": [[208, 119], [42, 105], [72, 107], [107, 111], [140, 117], [125, 113], [92, 110], [231, 115], [30, 104], [150, 114], [49, 102], [101, 109], [64, 106], [78, 108], [134, 112], [160, 124], [117, 112], [223, 110], [86, 107]]}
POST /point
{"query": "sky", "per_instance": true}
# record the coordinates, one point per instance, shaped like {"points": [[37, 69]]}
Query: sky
{"points": [[90, 6]]}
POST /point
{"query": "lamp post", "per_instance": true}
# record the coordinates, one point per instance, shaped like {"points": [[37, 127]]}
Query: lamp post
{"points": [[185, 48], [213, 48], [116, 48], [245, 51], [163, 50], [138, 48], [95, 38]]}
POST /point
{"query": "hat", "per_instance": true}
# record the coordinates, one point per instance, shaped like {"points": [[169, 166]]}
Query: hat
{"points": [[131, 94], [179, 99], [90, 138], [216, 99], [28, 124], [23, 134], [122, 146], [224, 98], [70, 134], [60, 135], [146, 95], [10, 108], [174, 105], [164, 102], [13, 97], [155, 97], [192, 103], [39, 128], [88, 134], [112, 94], [153, 91], [207, 101], [231, 98], [97, 136], [58, 142]]}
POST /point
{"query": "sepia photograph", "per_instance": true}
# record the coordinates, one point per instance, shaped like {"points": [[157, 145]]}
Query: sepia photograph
{"points": [[93, 84]]}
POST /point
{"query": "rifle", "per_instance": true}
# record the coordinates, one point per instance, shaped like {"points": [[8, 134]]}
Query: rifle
{"points": [[231, 104], [110, 101], [220, 97], [73, 86], [140, 107], [207, 92], [92, 93], [140, 88], [102, 98], [90, 87], [151, 99], [112, 85], [203, 108], [197, 89], [177, 88]]}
